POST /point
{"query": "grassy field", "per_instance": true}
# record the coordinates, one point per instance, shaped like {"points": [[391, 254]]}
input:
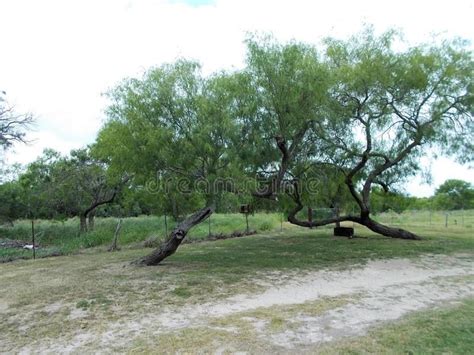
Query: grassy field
{"points": [[63, 238], [55, 297], [447, 220]]}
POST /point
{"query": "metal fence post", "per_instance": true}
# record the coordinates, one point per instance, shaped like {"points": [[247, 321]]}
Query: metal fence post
{"points": [[209, 225], [310, 217], [33, 237]]}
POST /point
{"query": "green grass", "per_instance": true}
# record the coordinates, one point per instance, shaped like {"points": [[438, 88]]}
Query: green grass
{"points": [[62, 237], [207, 266], [302, 248], [11, 254], [459, 219], [442, 331], [103, 288]]}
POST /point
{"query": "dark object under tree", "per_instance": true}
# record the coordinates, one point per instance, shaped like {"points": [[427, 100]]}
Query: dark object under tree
{"points": [[344, 232]]}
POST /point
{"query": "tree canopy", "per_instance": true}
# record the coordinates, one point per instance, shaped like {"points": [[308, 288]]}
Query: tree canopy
{"points": [[178, 123], [337, 125], [56, 186], [387, 107], [310, 125], [454, 194]]}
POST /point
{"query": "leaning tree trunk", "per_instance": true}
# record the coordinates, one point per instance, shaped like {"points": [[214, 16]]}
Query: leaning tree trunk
{"points": [[172, 242], [364, 220], [388, 231]]}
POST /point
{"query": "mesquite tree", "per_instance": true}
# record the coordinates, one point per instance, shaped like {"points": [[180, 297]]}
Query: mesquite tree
{"points": [[69, 186], [354, 116], [173, 130], [386, 109], [284, 95], [360, 111], [454, 194]]}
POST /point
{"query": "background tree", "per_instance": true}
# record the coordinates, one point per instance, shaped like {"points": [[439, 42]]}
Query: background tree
{"points": [[12, 202], [72, 186], [454, 194], [38, 183], [89, 184], [13, 126]]}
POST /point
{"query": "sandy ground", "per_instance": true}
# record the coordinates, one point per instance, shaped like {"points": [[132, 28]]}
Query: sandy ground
{"points": [[382, 290]]}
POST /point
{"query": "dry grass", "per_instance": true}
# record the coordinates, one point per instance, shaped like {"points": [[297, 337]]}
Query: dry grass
{"points": [[55, 302]]}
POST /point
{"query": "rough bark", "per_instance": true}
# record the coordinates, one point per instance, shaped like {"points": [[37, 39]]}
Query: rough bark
{"points": [[337, 214], [172, 242], [90, 221], [374, 226], [293, 220], [387, 231], [109, 197], [114, 246], [91, 209], [82, 223], [275, 184], [363, 219], [361, 198]]}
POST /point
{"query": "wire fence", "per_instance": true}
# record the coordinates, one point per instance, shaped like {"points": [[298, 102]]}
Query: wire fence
{"points": [[414, 218], [428, 218]]}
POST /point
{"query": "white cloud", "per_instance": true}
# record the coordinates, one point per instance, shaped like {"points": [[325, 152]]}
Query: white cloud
{"points": [[59, 56]]}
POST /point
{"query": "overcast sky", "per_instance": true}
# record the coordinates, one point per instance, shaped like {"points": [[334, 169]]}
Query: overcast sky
{"points": [[58, 56]]}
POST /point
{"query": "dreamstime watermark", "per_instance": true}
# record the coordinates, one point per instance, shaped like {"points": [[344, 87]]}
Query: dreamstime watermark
{"points": [[257, 185]]}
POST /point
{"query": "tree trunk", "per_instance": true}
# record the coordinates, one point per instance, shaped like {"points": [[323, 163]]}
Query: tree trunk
{"points": [[172, 242], [83, 223], [337, 214], [114, 246], [90, 221], [388, 231], [364, 220]]}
